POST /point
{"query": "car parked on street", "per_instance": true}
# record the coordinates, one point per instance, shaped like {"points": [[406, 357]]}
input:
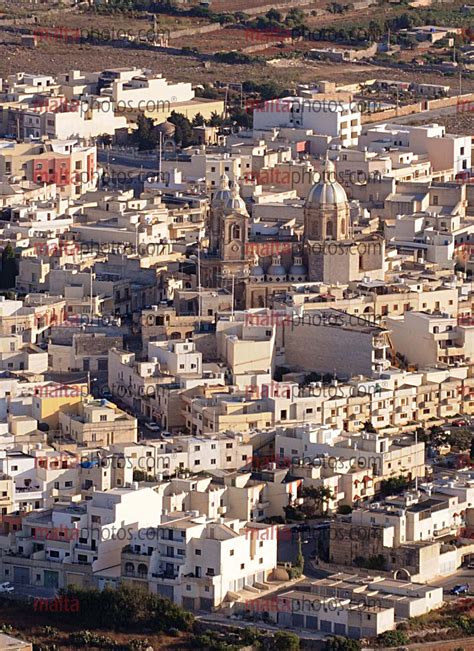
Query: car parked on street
{"points": [[460, 589]]}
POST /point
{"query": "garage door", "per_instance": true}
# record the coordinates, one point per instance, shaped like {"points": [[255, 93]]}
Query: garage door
{"points": [[354, 632], [206, 604], [325, 626], [21, 575], [188, 603], [298, 620], [165, 591], [51, 579], [75, 579], [312, 622]]}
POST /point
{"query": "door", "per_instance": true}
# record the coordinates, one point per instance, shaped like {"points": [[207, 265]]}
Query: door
{"points": [[21, 575], [51, 579]]}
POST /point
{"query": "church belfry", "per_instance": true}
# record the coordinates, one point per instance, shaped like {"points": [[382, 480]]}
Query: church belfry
{"points": [[234, 227], [220, 198]]}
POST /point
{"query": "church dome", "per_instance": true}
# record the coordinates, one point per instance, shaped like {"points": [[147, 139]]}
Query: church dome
{"points": [[276, 271], [235, 203], [327, 191], [297, 269], [223, 194], [257, 271]]}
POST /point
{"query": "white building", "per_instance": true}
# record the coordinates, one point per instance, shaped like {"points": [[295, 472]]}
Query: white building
{"points": [[444, 150], [429, 339], [200, 563], [331, 115]]}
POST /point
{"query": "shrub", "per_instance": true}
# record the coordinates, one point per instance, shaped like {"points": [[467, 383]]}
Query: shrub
{"points": [[127, 608], [285, 641], [392, 638]]}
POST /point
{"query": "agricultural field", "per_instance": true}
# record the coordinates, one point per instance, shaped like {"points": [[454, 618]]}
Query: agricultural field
{"points": [[282, 63]]}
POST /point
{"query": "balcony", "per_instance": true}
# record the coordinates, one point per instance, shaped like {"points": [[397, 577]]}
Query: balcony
{"points": [[129, 552], [454, 351], [165, 575]]}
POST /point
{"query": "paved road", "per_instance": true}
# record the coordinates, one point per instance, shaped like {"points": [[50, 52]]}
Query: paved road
{"points": [[288, 550], [36, 592], [463, 575]]}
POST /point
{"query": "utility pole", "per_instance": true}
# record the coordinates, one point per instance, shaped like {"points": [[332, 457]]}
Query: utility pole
{"points": [[92, 297], [199, 282], [159, 156]]}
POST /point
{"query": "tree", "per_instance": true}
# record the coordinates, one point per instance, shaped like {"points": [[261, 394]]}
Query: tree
{"points": [[295, 17], [319, 495], [215, 120], [368, 427], [198, 120], [144, 135], [9, 270], [345, 509], [242, 118], [184, 132], [286, 641], [460, 438], [274, 16], [394, 486]]}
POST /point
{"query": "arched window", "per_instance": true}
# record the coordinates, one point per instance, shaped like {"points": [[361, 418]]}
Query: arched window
{"points": [[329, 230], [129, 569], [235, 232], [343, 226], [142, 570]]}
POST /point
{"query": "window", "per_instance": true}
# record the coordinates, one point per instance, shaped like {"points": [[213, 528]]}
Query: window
{"points": [[231, 553], [197, 552], [103, 417], [242, 566]]}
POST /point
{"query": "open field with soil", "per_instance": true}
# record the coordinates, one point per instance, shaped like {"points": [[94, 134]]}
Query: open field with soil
{"points": [[55, 56]]}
